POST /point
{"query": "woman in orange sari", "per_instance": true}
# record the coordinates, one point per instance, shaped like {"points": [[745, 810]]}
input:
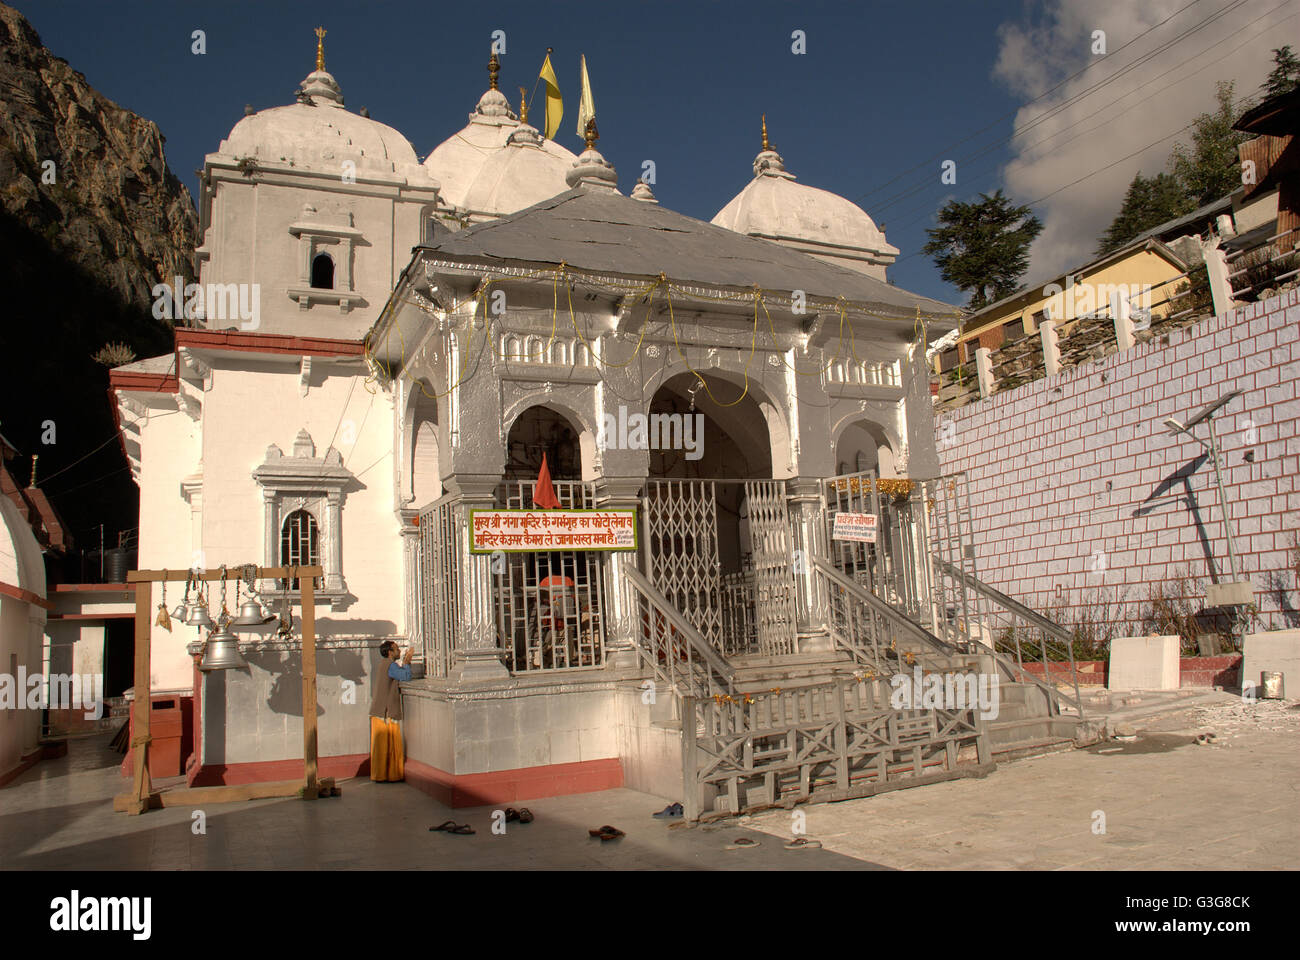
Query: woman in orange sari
{"points": [[387, 752]]}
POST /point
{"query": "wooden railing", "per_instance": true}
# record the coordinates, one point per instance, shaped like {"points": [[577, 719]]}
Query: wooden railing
{"points": [[825, 741]]}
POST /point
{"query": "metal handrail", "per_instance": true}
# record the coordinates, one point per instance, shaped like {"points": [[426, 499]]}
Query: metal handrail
{"points": [[721, 671], [1035, 621], [887, 612]]}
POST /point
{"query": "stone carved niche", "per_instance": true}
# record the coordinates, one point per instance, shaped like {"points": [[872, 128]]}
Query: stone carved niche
{"points": [[304, 481]]}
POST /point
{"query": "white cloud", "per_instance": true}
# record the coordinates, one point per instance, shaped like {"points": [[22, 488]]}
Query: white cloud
{"points": [[1146, 102]]}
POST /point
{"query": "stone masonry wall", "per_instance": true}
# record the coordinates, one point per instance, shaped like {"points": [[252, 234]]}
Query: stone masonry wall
{"points": [[1083, 503]]}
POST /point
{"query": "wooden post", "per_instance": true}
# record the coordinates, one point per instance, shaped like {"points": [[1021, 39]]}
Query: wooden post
{"points": [[143, 697], [142, 796], [308, 588]]}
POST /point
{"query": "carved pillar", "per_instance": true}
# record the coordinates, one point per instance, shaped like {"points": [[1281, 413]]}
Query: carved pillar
{"points": [[413, 594], [808, 534], [476, 653], [620, 493], [334, 568]]}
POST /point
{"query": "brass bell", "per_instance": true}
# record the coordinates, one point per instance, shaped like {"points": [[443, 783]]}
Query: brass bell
{"points": [[222, 652], [251, 614], [182, 610]]}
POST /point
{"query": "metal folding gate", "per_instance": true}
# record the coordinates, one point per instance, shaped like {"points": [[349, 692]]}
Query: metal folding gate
{"points": [[747, 611], [894, 566]]}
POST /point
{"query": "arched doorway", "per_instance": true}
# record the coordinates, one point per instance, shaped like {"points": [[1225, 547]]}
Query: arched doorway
{"points": [[864, 445], [718, 539], [549, 608]]}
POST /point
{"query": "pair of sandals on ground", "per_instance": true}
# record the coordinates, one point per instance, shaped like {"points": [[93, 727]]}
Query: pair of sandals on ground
{"points": [[522, 815]]}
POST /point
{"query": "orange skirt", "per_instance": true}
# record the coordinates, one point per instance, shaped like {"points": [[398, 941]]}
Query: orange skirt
{"points": [[387, 752]]}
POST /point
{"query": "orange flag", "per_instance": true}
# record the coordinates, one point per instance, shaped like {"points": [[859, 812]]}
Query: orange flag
{"points": [[544, 493]]}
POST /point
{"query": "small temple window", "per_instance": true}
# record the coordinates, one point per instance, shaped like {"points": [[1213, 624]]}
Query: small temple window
{"points": [[299, 543], [322, 272]]}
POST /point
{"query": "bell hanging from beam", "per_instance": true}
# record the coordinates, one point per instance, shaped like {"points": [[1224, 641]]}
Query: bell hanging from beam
{"points": [[251, 614], [198, 615], [222, 652]]}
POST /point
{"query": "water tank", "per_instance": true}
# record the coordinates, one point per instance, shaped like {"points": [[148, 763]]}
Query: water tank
{"points": [[117, 561]]}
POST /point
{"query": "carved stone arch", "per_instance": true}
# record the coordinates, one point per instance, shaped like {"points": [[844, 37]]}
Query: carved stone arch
{"points": [[859, 432], [581, 423]]}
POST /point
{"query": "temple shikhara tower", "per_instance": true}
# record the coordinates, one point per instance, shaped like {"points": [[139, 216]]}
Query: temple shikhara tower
{"points": [[390, 351]]}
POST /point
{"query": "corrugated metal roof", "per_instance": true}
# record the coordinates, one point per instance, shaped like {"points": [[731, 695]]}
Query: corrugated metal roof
{"points": [[600, 230]]}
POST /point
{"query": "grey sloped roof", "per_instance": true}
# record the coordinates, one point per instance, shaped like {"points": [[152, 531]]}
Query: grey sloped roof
{"points": [[600, 230]]}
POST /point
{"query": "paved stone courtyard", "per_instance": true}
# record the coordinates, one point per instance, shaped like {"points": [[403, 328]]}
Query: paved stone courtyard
{"points": [[1168, 804]]}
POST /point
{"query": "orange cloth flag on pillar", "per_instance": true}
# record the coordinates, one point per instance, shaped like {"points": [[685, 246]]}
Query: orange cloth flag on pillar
{"points": [[544, 493]]}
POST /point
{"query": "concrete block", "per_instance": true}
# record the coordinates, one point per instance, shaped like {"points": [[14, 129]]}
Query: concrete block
{"points": [[1272, 650], [1144, 663]]}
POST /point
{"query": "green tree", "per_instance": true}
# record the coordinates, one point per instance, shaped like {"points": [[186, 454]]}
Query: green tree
{"points": [[1208, 169], [1285, 75], [983, 246], [1149, 202]]}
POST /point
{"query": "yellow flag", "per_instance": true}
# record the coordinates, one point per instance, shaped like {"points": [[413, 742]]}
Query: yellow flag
{"points": [[554, 103], [586, 106]]}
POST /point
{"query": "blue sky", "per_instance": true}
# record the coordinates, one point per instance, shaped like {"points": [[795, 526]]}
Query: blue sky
{"points": [[883, 87]]}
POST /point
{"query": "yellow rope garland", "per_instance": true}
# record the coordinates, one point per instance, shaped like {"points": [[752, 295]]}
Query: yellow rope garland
{"points": [[562, 272]]}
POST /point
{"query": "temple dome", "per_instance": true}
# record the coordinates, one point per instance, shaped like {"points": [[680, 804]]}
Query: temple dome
{"points": [[775, 207], [318, 133], [498, 164]]}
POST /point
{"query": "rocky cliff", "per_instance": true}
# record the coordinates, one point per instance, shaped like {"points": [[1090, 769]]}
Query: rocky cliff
{"points": [[90, 220], [113, 206]]}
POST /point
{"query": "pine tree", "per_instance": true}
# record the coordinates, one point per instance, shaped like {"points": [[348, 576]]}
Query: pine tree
{"points": [[1149, 202], [1285, 75], [1208, 170], [983, 246]]}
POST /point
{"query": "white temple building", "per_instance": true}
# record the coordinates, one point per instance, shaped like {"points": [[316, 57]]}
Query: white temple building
{"points": [[423, 334]]}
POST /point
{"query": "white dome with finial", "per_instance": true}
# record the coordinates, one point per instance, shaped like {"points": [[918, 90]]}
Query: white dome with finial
{"points": [[591, 169], [319, 133], [817, 222], [498, 163]]}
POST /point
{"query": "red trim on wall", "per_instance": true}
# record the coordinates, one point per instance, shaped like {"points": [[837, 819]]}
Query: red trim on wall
{"points": [[18, 593], [48, 752], [504, 786], [467, 790], [267, 343], [268, 771], [1223, 671], [143, 382]]}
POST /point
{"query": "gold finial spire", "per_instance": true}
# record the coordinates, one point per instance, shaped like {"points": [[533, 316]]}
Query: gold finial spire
{"points": [[591, 135], [320, 48], [766, 145], [494, 68], [523, 105]]}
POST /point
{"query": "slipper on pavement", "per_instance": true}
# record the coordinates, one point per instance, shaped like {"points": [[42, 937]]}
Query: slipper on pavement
{"points": [[445, 825], [511, 814], [802, 843], [742, 843], [525, 815], [607, 833], [463, 828], [671, 812]]}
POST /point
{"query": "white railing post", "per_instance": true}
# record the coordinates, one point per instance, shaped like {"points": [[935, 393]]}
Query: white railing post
{"points": [[1216, 267], [1051, 349], [1120, 314], [984, 369]]}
